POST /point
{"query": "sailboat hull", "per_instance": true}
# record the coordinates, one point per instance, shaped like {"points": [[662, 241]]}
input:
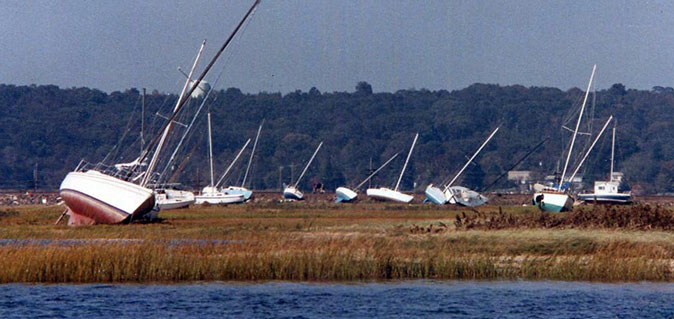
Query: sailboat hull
{"points": [[553, 202], [96, 198], [463, 196], [386, 194], [435, 195], [292, 193], [345, 195], [236, 190]]}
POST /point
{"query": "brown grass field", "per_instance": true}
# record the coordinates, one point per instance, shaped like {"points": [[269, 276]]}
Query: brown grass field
{"points": [[331, 242]]}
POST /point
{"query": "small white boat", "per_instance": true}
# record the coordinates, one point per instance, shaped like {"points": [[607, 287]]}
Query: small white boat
{"points": [[550, 199], [345, 195], [607, 192], [292, 192], [237, 190], [387, 194], [247, 193], [173, 199], [213, 196]]}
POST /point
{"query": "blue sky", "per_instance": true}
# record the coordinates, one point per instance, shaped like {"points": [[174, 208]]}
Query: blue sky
{"points": [[289, 45]]}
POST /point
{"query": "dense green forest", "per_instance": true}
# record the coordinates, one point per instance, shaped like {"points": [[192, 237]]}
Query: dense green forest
{"points": [[55, 128]]}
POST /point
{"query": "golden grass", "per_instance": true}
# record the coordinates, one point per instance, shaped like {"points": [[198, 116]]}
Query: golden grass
{"points": [[319, 242]]}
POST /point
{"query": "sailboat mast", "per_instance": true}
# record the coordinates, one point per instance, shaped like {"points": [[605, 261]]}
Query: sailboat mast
{"points": [[406, 161], [610, 178], [375, 172], [182, 101], [142, 124], [250, 160], [210, 147], [167, 127], [307, 166], [471, 159], [590, 149], [232, 163], [575, 132]]}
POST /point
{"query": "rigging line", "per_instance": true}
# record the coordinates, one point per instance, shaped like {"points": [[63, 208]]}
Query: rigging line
{"points": [[121, 139]]}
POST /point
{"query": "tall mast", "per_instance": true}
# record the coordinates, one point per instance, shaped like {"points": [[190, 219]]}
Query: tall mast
{"points": [[375, 172], [575, 132], [167, 127], [142, 123], [471, 159], [232, 163], [182, 101], [590, 149], [250, 160], [306, 167], [210, 147], [406, 161], [610, 178]]}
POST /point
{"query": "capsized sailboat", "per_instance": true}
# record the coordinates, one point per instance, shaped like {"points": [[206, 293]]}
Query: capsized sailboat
{"points": [[94, 196], [292, 192], [345, 194], [387, 194], [458, 194]]}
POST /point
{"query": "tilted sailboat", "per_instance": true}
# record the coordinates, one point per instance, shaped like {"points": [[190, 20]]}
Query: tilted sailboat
{"points": [[553, 199], [292, 192], [387, 194], [95, 196], [459, 194], [242, 190], [211, 194], [345, 194]]}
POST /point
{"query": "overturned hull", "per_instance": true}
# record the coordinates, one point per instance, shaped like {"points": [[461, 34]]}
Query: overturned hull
{"points": [[96, 198]]}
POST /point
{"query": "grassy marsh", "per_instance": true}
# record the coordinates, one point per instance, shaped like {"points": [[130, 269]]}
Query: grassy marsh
{"points": [[322, 242]]}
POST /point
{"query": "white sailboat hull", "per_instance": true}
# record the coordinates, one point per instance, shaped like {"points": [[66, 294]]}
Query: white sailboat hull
{"points": [[95, 198], [237, 190], [210, 195], [463, 196], [345, 195], [553, 201], [387, 194], [174, 199], [435, 195], [293, 193]]}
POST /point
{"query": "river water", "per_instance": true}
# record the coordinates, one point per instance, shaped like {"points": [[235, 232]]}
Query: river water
{"points": [[407, 299]]}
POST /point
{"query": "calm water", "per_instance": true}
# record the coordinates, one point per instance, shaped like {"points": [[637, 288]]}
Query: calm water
{"points": [[413, 299]]}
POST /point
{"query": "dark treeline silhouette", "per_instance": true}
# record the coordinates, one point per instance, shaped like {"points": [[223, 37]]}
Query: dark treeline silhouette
{"points": [[56, 128]]}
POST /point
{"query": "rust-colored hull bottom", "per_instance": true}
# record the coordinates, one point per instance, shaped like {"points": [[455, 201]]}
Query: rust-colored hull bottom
{"points": [[85, 210]]}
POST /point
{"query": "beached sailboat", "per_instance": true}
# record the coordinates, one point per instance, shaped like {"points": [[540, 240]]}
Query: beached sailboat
{"points": [[387, 194], [247, 193], [607, 192], [458, 194], [553, 199], [345, 194], [211, 194], [292, 192], [95, 196]]}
